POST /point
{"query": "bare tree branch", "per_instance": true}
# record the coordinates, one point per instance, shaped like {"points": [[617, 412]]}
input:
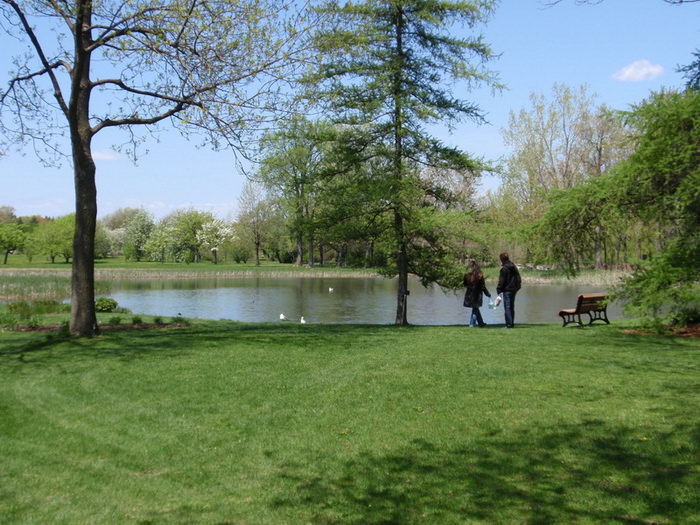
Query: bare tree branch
{"points": [[48, 68]]}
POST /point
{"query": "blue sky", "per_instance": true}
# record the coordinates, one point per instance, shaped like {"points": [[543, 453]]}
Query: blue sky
{"points": [[621, 49]]}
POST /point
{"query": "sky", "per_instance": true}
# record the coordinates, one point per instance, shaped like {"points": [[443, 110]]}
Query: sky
{"points": [[622, 50]]}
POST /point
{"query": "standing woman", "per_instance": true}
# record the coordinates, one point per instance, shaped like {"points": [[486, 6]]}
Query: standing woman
{"points": [[474, 281]]}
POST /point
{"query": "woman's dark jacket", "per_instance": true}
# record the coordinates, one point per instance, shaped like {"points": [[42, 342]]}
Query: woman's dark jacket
{"points": [[475, 288]]}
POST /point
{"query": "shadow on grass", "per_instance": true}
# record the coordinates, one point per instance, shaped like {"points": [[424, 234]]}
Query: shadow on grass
{"points": [[41, 348], [36, 347], [587, 473]]}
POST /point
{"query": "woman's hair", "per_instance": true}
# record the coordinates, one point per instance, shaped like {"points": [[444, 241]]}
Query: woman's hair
{"points": [[475, 272]]}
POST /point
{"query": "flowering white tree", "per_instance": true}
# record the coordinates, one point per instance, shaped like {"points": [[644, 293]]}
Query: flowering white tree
{"points": [[212, 235]]}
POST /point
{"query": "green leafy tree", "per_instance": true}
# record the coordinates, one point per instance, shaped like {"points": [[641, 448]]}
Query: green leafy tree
{"points": [[579, 224], [11, 238], [290, 171], [7, 214], [351, 220], [660, 184], [211, 67], [692, 72], [391, 71], [53, 238], [177, 236]]}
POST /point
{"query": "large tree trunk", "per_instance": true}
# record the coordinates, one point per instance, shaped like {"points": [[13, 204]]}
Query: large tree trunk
{"points": [[402, 267], [402, 293], [300, 250], [310, 249], [83, 318], [401, 249]]}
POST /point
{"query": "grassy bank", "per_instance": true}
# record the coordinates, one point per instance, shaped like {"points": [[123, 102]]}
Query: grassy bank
{"points": [[221, 422]]}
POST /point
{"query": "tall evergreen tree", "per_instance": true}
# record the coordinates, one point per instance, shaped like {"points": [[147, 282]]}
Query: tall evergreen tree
{"points": [[389, 73]]}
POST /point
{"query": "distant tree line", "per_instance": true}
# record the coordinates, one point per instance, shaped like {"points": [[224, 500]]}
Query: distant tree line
{"points": [[585, 187]]}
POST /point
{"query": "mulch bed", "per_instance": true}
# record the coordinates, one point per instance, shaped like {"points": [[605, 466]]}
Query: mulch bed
{"points": [[673, 331], [107, 327]]}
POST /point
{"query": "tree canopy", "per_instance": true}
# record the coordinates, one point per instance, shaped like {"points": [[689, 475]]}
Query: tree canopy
{"points": [[660, 183], [218, 68], [391, 70]]}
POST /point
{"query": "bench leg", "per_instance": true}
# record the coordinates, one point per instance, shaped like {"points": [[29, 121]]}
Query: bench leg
{"points": [[570, 319], [598, 315]]}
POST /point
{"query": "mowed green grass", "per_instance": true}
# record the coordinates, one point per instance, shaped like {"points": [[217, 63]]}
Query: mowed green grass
{"points": [[222, 422]]}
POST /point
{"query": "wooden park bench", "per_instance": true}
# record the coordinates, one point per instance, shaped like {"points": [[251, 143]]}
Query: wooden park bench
{"points": [[592, 304]]}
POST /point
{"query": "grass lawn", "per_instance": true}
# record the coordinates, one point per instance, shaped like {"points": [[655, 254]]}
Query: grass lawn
{"points": [[222, 422]]}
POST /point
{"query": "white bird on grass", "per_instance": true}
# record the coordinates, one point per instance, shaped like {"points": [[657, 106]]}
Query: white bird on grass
{"points": [[285, 318], [330, 289]]}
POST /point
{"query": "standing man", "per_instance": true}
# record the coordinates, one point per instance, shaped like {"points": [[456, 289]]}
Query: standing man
{"points": [[508, 286]]}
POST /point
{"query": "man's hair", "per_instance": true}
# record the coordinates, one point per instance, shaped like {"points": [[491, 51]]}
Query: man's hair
{"points": [[504, 257]]}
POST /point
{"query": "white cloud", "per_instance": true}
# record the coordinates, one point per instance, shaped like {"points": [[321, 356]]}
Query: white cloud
{"points": [[639, 71], [106, 155]]}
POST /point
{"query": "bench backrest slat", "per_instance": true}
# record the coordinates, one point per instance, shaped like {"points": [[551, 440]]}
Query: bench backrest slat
{"points": [[590, 302]]}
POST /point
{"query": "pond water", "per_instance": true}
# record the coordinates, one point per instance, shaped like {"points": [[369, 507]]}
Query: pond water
{"points": [[333, 300]]}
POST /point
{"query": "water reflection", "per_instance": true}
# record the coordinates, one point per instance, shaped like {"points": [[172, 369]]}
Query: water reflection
{"points": [[352, 300]]}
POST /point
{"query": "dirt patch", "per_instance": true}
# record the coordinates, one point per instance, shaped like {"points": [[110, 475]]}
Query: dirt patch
{"points": [[672, 331]]}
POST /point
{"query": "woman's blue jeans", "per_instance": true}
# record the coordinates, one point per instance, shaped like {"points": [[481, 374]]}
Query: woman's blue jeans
{"points": [[476, 318]]}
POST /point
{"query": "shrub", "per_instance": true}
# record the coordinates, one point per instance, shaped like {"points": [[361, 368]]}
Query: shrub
{"points": [[21, 308], [115, 320], [105, 304], [241, 254], [137, 319], [7, 320]]}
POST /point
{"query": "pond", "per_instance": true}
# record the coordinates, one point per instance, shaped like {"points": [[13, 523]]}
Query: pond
{"points": [[332, 300]]}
